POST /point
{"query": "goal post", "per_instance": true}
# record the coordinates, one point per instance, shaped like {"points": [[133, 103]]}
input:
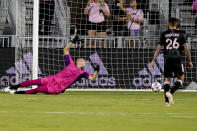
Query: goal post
{"points": [[35, 39]]}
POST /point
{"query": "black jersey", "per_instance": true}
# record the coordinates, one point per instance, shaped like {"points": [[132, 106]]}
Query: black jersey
{"points": [[173, 41]]}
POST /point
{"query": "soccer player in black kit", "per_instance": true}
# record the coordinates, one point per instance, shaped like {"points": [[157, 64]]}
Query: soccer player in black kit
{"points": [[174, 42]]}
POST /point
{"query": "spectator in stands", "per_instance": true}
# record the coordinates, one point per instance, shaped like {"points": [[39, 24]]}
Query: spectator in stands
{"points": [[119, 18], [96, 9], [47, 8], [135, 18], [194, 9]]}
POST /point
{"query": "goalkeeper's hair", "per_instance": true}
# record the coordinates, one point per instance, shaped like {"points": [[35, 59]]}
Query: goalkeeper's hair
{"points": [[174, 22]]}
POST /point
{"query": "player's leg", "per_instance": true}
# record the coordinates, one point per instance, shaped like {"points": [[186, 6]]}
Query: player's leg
{"points": [[177, 84], [27, 83], [166, 89], [179, 73], [167, 75], [169, 96], [167, 93], [40, 89]]}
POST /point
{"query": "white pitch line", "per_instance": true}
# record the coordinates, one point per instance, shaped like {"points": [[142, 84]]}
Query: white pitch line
{"points": [[4, 111], [31, 98], [143, 99], [58, 112], [122, 114], [182, 116], [175, 113], [90, 113]]}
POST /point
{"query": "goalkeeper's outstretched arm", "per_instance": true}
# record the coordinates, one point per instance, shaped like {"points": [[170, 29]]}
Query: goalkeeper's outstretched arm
{"points": [[68, 46], [94, 76]]}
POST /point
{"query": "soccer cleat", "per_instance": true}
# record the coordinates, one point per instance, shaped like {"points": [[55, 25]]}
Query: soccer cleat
{"points": [[167, 104], [170, 98], [12, 91], [7, 89]]}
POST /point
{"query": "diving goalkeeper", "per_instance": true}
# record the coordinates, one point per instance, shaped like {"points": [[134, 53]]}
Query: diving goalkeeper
{"points": [[60, 82]]}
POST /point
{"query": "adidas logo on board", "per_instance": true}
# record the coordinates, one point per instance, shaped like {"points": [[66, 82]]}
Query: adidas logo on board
{"points": [[23, 67], [147, 77]]}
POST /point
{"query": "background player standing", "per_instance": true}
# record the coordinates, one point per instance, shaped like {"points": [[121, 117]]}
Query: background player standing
{"points": [[174, 42], [58, 83]]}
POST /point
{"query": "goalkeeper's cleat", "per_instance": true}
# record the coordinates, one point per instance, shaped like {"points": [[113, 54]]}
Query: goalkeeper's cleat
{"points": [[170, 98], [12, 91], [7, 89]]}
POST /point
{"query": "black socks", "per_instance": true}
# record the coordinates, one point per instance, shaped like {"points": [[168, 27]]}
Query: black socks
{"points": [[15, 87], [20, 92], [166, 89], [177, 84]]}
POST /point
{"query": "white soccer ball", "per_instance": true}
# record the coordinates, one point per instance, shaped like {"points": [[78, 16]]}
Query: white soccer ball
{"points": [[156, 86]]}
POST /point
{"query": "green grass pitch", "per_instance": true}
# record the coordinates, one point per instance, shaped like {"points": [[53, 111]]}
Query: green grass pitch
{"points": [[98, 111]]}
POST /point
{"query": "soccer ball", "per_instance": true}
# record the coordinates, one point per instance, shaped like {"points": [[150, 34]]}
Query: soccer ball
{"points": [[156, 87]]}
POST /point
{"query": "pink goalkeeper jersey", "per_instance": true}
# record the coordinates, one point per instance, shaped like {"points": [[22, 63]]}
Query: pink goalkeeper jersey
{"points": [[57, 83], [95, 15], [194, 6], [135, 14]]}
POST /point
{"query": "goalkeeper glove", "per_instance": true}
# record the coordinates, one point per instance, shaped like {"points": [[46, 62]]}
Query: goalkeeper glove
{"points": [[75, 39], [96, 67]]}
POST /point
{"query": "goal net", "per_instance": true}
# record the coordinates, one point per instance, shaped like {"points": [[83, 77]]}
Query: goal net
{"points": [[124, 57]]}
